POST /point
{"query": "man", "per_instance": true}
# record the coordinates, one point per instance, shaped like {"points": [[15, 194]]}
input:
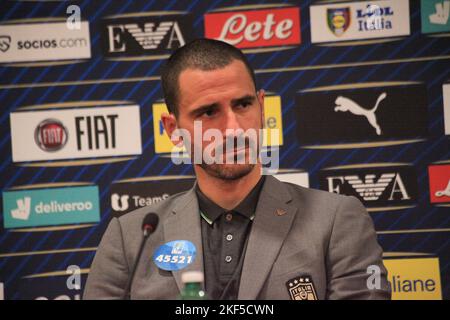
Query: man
{"points": [[255, 237]]}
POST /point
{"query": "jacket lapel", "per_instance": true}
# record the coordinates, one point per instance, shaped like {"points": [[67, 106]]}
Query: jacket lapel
{"points": [[273, 220], [184, 224]]}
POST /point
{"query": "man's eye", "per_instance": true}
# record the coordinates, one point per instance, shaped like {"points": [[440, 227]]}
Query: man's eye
{"points": [[245, 104], [208, 113]]}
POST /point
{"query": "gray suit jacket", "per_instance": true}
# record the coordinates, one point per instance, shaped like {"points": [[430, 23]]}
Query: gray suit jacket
{"points": [[326, 236]]}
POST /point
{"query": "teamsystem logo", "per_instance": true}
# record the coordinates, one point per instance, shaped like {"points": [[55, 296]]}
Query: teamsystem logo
{"points": [[44, 207], [122, 202], [130, 194]]}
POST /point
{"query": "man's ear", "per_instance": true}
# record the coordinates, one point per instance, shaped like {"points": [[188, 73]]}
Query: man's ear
{"points": [[170, 124], [260, 96]]}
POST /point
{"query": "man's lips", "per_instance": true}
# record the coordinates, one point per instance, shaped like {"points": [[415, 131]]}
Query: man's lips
{"points": [[236, 150]]}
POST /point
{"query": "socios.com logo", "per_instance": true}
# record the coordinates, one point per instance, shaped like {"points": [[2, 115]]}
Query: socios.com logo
{"points": [[55, 206], [52, 43], [5, 43]]}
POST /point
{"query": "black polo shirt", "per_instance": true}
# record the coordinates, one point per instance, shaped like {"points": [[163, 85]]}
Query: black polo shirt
{"points": [[224, 236]]}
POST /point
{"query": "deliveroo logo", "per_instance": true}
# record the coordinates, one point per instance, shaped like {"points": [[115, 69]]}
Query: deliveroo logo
{"points": [[435, 16], [54, 206], [22, 212]]}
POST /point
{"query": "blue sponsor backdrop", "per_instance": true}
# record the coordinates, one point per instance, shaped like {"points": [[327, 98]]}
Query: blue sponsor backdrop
{"points": [[417, 57]]}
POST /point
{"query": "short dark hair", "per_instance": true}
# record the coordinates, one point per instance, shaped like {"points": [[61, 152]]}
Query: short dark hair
{"points": [[203, 54]]}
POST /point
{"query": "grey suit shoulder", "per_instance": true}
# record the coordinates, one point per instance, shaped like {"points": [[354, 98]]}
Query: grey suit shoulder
{"points": [[296, 232]]}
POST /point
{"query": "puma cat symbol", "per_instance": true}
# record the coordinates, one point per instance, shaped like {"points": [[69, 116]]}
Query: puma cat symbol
{"points": [[345, 104]]}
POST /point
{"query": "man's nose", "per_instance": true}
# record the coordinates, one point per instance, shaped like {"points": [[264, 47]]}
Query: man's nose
{"points": [[231, 121]]}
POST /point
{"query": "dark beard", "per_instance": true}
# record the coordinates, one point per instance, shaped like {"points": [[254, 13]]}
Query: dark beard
{"points": [[224, 173]]}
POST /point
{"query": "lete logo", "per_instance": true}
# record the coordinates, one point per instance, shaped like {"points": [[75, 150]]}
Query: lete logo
{"points": [[257, 28]]}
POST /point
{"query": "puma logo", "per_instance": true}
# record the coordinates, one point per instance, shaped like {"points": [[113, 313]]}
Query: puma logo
{"points": [[345, 104]]}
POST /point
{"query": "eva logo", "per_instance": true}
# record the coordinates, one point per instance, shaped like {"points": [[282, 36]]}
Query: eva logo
{"points": [[145, 33], [22, 212]]}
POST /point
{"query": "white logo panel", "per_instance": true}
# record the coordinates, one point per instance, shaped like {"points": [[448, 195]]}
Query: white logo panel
{"points": [[360, 20], [96, 132], [44, 41], [446, 97]]}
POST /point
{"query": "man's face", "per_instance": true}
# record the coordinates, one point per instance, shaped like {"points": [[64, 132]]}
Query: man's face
{"points": [[222, 99]]}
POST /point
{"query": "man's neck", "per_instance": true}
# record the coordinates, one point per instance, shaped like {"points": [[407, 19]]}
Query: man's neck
{"points": [[227, 193]]}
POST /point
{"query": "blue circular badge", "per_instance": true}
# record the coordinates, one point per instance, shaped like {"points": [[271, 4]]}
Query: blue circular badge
{"points": [[175, 255]]}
